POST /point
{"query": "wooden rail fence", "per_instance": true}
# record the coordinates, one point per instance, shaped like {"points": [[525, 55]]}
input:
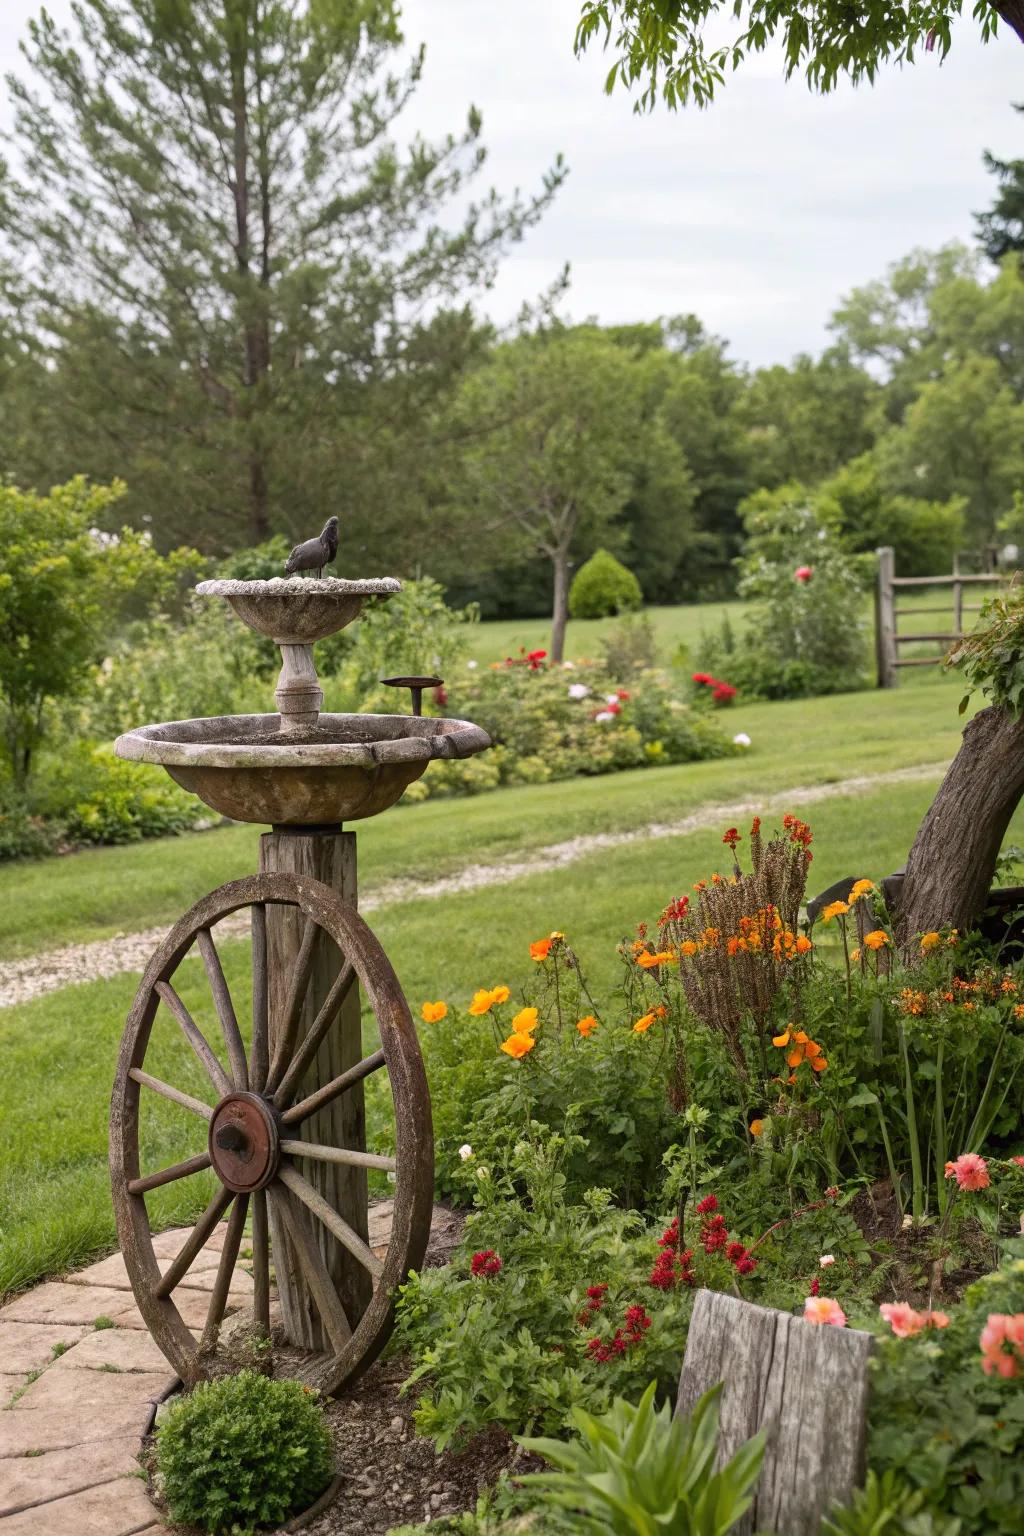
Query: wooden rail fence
{"points": [[888, 638]]}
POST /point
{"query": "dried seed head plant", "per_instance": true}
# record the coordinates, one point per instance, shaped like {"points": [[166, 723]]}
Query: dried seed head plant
{"points": [[738, 941]]}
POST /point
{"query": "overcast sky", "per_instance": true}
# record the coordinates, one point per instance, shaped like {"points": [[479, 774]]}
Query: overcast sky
{"points": [[756, 214]]}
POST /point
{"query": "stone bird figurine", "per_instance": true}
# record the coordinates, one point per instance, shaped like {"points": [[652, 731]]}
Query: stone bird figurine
{"points": [[314, 554]]}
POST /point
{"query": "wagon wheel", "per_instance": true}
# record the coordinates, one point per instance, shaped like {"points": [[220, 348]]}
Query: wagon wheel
{"points": [[246, 1134]]}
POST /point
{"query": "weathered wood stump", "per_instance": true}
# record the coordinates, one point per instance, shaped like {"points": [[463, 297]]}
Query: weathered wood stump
{"points": [[805, 1384], [329, 856]]}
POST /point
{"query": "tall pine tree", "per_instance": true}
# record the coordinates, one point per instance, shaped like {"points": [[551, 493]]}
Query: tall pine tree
{"points": [[250, 289], [1001, 228]]}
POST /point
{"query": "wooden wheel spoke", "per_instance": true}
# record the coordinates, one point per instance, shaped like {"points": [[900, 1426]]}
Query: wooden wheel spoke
{"points": [[196, 1240], [260, 1263], [167, 1092], [225, 1009], [300, 1062], [225, 1270], [334, 1223], [194, 1035], [293, 1008], [260, 1057], [330, 1091], [346, 1155], [322, 1288], [169, 1175]]}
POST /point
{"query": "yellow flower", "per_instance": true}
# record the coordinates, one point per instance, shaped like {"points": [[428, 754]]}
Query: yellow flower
{"points": [[860, 888], [834, 909], [930, 941], [524, 1021], [876, 940], [433, 1013], [687, 947], [518, 1045], [500, 994], [485, 999], [756, 1127], [643, 1025], [854, 955], [587, 1026]]}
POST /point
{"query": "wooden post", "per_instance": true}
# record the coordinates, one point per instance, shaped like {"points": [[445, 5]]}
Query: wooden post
{"points": [[805, 1384], [958, 598], [885, 619], [330, 856]]}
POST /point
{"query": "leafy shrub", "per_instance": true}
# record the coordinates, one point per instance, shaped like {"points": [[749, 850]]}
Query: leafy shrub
{"points": [[242, 1452], [22, 834], [629, 646], [992, 656], [603, 586], [939, 1421], [887, 1506], [411, 633], [805, 634], [634, 1469], [125, 802]]}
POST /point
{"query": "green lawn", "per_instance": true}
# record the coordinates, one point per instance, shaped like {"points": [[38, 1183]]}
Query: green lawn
{"points": [[104, 891], [59, 1051]]}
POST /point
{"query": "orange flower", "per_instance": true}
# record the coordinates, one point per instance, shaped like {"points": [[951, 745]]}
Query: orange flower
{"points": [[643, 1025], [517, 1045], [485, 999], [540, 949], [525, 1021], [803, 944], [688, 947], [930, 941], [756, 1127], [834, 909], [649, 961], [661, 1012], [819, 1064], [877, 939], [781, 1040], [433, 1013], [500, 994], [860, 888], [587, 1026]]}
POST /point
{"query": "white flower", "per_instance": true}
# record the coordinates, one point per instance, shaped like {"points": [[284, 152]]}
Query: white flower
{"points": [[465, 1151], [392, 1178], [611, 698], [827, 1259], [472, 665], [741, 739], [578, 691], [483, 1173], [604, 715], [569, 666]]}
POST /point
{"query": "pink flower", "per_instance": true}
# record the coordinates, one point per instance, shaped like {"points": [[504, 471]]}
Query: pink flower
{"points": [[969, 1170], [822, 1309], [1002, 1345], [803, 573], [1018, 1160], [902, 1318]]}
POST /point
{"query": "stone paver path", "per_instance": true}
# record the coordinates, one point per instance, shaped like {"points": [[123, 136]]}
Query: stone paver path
{"points": [[79, 1377], [21, 980]]}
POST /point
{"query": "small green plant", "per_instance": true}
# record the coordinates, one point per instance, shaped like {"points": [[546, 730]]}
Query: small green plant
{"points": [[101, 1322], [602, 586], [887, 1506], [60, 1348], [242, 1452], [638, 1469]]}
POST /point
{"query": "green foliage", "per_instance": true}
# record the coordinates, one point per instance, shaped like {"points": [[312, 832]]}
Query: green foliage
{"points": [[805, 421], [1001, 227], [242, 1452], [100, 799], [887, 1506], [991, 657], [944, 1426], [665, 48], [924, 535], [410, 634], [803, 637], [639, 1470], [602, 586]]}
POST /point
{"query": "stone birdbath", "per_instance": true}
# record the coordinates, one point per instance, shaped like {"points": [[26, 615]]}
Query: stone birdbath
{"points": [[280, 1121]]}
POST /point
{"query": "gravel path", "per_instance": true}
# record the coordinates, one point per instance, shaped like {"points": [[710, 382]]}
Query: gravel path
{"points": [[21, 980]]}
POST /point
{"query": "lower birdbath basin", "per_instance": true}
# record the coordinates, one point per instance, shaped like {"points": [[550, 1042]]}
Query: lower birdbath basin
{"points": [[343, 768]]}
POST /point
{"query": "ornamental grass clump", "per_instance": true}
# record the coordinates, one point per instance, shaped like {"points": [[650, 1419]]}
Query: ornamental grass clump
{"points": [[242, 1453], [738, 943]]}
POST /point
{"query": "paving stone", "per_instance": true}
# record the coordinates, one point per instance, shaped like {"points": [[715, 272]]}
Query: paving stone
{"points": [[166, 1244], [112, 1271], [35, 1480], [119, 1507], [58, 1302], [119, 1400], [128, 1348], [192, 1304], [52, 1429], [29, 1346]]}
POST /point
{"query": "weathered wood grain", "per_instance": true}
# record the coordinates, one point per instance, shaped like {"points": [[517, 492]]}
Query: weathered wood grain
{"points": [[805, 1384]]}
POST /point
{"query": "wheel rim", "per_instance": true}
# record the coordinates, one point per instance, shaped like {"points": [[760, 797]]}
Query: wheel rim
{"points": [[252, 1130]]}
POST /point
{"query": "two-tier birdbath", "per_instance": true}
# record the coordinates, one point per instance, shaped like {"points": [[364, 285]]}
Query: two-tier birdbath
{"points": [[283, 1125]]}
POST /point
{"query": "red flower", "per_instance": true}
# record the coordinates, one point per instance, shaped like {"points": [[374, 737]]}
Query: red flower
{"points": [[815, 1286], [735, 1251], [714, 1234], [723, 693], [596, 1292], [535, 658], [746, 1266], [674, 911], [803, 573], [485, 1263], [732, 837], [709, 1203], [670, 1237], [622, 693], [704, 678], [441, 697]]}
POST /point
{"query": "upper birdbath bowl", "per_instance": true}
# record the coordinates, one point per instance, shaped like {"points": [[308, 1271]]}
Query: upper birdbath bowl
{"points": [[299, 768]]}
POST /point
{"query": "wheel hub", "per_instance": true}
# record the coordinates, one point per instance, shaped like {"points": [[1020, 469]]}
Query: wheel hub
{"points": [[244, 1143]]}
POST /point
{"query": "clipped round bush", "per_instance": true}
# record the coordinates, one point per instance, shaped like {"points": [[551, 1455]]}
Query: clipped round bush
{"points": [[603, 586], [241, 1453]]}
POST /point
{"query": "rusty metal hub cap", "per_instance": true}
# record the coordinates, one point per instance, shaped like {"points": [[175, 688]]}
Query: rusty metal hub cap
{"points": [[244, 1143]]}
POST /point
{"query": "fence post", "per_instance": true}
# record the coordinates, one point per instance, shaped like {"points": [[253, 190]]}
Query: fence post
{"points": [[958, 599], [885, 619]]}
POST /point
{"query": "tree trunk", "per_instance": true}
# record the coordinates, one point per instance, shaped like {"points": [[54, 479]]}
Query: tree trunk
{"points": [[560, 606], [1012, 12], [952, 863]]}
